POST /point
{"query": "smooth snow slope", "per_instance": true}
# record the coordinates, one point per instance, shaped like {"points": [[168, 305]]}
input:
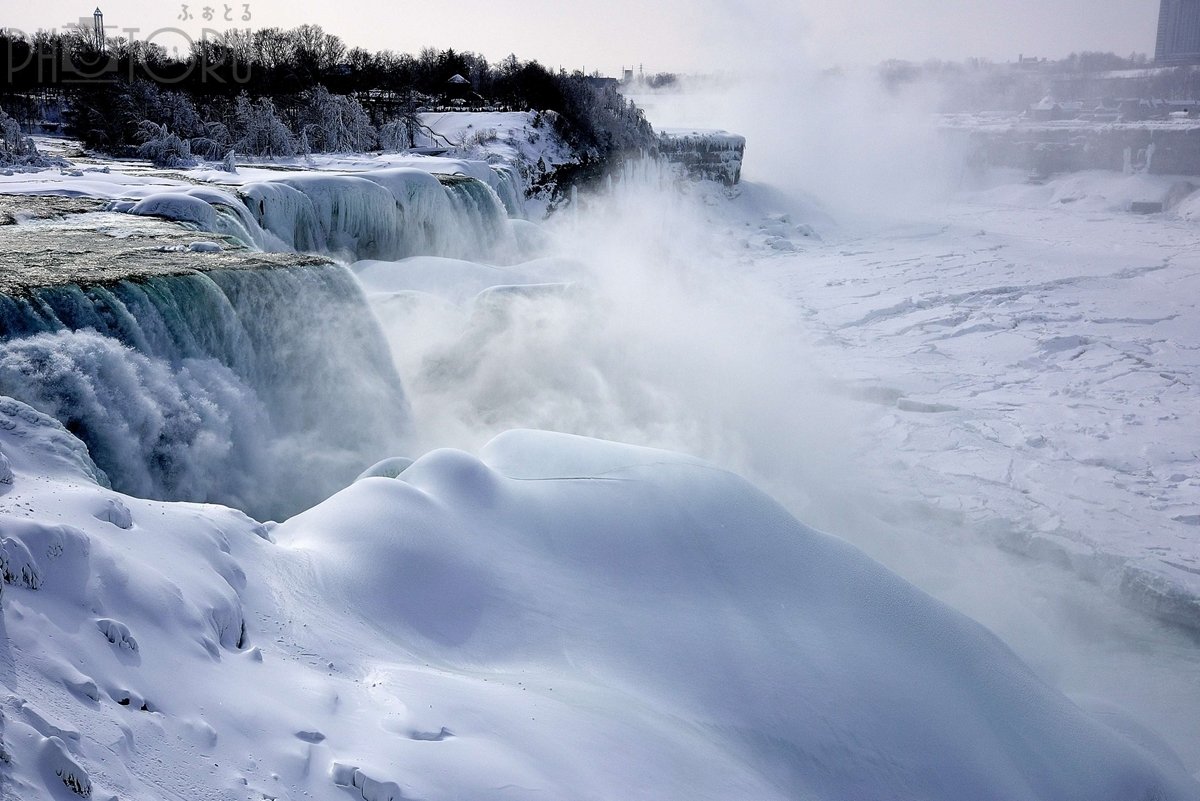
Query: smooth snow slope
{"points": [[558, 618]]}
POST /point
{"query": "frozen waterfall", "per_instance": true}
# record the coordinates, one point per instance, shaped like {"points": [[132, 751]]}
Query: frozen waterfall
{"points": [[262, 389]]}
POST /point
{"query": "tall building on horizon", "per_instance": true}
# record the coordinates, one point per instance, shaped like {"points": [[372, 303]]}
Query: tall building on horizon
{"points": [[1178, 32]]}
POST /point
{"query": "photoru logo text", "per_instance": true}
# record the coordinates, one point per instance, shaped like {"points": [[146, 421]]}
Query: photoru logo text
{"points": [[90, 51]]}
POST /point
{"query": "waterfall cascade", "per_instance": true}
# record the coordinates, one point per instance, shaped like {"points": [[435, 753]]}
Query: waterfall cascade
{"points": [[384, 214], [262, 389], [237, 381]]}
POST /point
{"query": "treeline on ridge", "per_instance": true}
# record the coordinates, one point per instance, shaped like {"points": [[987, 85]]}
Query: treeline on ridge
{"points": [[275, 92]]}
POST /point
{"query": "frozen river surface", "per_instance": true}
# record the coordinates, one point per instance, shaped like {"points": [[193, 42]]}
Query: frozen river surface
{"points": [[1035, 368], [1040, 369]]}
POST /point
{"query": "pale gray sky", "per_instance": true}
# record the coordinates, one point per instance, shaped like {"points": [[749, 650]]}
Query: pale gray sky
{"points": [[708, 35]]}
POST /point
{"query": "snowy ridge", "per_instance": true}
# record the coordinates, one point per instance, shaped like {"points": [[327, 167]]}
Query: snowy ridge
{"points": [[225, 386]]}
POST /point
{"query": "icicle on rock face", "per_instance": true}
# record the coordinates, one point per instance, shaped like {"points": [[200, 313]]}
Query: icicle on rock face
{"points": [[384, 214], [507, 184], [261, 389]]}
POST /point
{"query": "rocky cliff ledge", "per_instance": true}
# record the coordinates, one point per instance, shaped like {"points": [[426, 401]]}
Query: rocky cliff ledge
{"points": [[705, 154]]}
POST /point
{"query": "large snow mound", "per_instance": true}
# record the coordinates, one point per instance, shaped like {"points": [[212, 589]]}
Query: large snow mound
{"points": [[557, 618], [716, 615]]}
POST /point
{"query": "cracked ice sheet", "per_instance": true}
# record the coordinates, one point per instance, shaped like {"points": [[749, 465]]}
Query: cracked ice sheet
{"points": [[1060, 350]]}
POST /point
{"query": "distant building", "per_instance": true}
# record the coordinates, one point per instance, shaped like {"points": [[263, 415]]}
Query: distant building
{"points": [[601, 82], [1178, 32], [98, 29], [1050, 110], [458, 88]]}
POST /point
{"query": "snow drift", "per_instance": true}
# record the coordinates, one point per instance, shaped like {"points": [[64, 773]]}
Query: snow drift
{"points": [[560, 618]]}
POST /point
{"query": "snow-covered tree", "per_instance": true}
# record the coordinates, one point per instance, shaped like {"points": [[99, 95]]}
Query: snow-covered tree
{"points": [[395, 135], [143, 100], [163, 148], [215, 142], [260, 131], [16, 149], [401, 133], [12, 141], [335, 123], [302, 144], [179, 114]]}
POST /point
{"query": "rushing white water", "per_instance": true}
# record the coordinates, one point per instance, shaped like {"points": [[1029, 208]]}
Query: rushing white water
{"points": [[266, 390]]}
